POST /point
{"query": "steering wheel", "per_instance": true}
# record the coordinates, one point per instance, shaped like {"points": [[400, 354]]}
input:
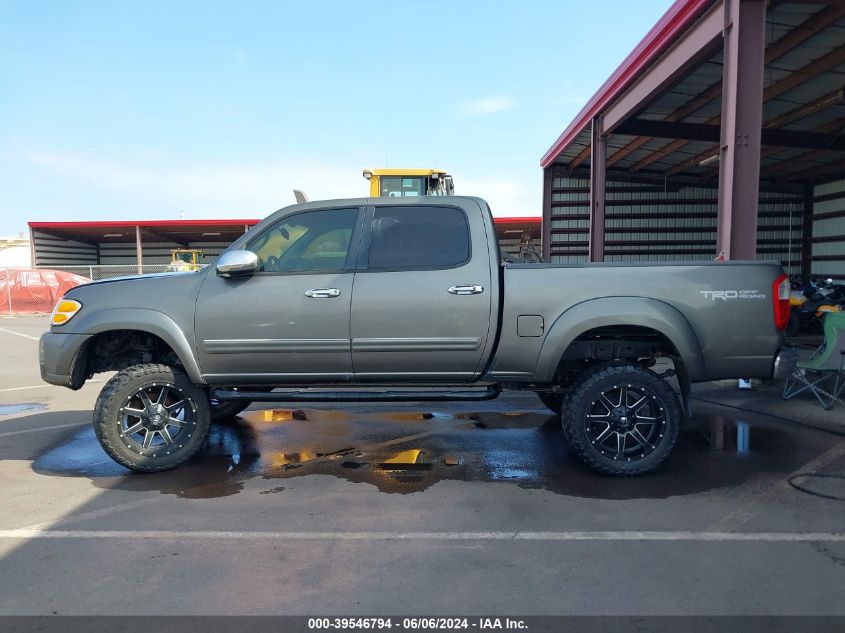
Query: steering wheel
{"points": [[271, 263]]}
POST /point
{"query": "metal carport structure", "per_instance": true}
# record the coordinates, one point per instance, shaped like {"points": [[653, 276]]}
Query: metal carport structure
{"points": [[121, 247], [719, 133]]}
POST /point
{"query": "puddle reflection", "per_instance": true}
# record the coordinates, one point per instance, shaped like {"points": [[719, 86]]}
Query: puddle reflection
{"points": [[525, 449]]}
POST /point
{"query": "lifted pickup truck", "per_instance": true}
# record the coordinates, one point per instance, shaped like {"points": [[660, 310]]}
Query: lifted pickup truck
{"points": [[386, 299]]}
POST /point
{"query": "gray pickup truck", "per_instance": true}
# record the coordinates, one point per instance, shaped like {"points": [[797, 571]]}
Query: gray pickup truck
{"points": [[389, 299]]}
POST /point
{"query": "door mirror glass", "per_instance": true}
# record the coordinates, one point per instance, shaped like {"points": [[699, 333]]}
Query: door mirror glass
{"points": [[233, 263]]}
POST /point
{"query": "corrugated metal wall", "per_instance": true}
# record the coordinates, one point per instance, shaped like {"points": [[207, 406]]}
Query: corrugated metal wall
{"points": [[52, 251], [829, 230], [647, 222], [154, 252]]}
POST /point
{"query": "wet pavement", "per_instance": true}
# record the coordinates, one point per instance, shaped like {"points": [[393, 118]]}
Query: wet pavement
{"points": [[260, 522], [21, 407], [403, 452], [502, 466]]}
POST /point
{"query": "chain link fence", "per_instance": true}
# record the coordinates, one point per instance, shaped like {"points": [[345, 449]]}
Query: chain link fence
{"points": [[36, 290], [95, 272]]}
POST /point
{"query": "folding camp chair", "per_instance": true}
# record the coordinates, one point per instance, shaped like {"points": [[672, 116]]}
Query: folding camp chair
{"points": [[825, 368]]}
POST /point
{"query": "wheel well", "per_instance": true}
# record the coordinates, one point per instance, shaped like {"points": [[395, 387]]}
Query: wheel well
{"points": [[118, 349], [631, 343]]}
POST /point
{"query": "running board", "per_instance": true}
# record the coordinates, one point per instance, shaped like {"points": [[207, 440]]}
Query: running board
{"points": [[357, 396]]}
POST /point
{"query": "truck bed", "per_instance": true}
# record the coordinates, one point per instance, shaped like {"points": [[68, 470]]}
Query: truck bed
{"points": [[725, 307]]}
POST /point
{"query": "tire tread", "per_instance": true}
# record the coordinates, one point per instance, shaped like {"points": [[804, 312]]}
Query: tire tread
{"points": [[107, 399], [580, 390]]}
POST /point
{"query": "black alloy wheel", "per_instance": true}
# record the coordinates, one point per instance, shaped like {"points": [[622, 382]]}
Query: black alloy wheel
{"points": [[622, 419]]}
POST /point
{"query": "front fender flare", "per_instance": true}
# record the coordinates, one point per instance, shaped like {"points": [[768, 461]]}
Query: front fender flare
{"points": [[144, 320], [619, 311]]}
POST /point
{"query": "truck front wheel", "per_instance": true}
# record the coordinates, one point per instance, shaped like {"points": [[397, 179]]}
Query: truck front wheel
{"points": [[151, 417], [621, 419]]}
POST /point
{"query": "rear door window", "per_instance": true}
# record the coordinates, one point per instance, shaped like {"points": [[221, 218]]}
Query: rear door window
{"points": [[418, 237]]}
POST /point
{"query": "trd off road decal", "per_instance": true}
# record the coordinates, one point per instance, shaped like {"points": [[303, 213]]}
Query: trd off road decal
{"points": [[726, 295]]}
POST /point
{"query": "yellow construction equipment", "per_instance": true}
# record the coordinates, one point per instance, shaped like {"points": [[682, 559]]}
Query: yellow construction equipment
{"points": [[184, 259], [398, 183]]}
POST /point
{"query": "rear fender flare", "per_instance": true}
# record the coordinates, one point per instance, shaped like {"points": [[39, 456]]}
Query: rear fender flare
{"points": [[609, 311]]}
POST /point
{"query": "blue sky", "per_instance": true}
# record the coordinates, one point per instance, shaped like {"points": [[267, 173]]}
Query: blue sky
{"points": [[117, 110]]}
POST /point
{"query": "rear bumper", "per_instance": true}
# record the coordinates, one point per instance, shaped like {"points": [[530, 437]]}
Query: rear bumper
{"points": [[785, 362], [57, 355]]}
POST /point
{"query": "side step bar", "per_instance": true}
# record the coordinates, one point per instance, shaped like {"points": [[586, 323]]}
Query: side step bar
{"points": [[357, 396]]}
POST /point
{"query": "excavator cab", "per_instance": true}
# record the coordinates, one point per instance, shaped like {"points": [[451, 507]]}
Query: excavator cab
{"points": [[186, 259], [400, 183]]}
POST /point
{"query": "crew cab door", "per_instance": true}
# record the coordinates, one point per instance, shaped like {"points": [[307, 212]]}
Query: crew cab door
{"points": [[289, 321], [421, 307]]}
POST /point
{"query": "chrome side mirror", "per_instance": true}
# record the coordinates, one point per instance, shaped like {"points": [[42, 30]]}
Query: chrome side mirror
{"points": [[234, 263]]}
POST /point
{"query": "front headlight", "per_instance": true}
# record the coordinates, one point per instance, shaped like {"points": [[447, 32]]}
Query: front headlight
{"points": [[64, 311]]}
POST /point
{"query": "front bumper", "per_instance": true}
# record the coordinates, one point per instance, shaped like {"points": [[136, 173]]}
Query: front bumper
{"points": [[57, 355]]}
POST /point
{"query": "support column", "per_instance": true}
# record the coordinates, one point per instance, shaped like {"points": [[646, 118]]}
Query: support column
{"points": [[546, 229], [807, 233], [139, 251], [598, 170], [742, 118], [32, 253]]}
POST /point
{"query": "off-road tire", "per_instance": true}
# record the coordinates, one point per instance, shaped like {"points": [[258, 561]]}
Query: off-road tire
{"points": [[108, 418], [581, 400], [222, 410]]}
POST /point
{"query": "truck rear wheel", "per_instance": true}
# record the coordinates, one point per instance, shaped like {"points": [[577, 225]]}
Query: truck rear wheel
{"points": [[151, 417], [621, 419]]}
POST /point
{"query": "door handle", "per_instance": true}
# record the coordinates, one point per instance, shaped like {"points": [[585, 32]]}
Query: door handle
{"points": [[322, 293], [468, 289]]}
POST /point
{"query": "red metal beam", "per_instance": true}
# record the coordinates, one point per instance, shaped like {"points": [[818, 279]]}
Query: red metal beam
{"points": [[598, 179], [105, 224], [676, 20], [694, 104], [742, 113], [546, 240], [688, 50], [528, 219], [807, 233], [797, 36]]}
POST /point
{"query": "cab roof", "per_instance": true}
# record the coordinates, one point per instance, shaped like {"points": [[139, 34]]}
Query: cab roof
{"points": [[406, 172]]}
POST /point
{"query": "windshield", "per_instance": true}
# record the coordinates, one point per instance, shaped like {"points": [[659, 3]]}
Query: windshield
{"points": [[401, 186]]}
